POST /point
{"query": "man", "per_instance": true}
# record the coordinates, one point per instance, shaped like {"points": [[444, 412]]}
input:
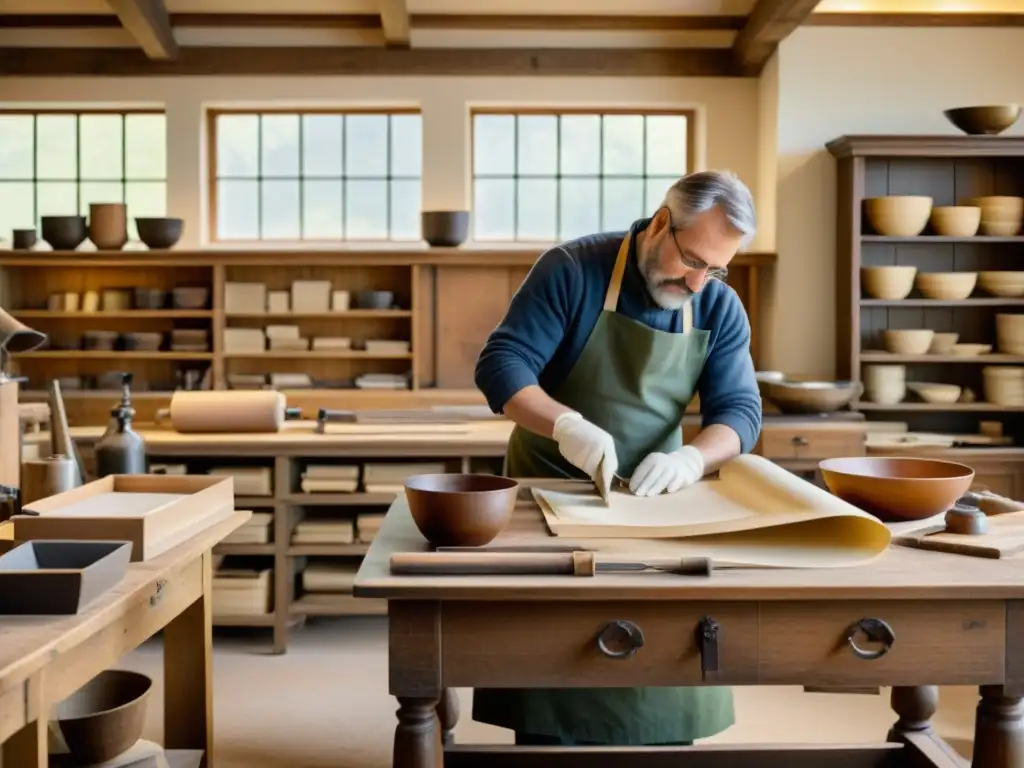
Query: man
{"points": [[596, 360]]}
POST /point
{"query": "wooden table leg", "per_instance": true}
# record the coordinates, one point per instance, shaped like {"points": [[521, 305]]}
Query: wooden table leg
{"points": [[188, 675], [998, 730], [448, 714], [417, 736], [916, 707]]}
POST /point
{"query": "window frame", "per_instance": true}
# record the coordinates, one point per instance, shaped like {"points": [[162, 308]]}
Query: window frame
{"points": [[689, 113], [212, 113], [78, 180]]}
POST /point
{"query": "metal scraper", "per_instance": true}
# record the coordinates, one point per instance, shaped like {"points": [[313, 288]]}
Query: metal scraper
{"points": [[604, 481]]}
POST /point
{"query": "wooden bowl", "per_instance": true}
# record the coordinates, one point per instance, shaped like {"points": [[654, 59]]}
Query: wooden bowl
{"points": [[890, 283], [810, 396], [898, 215], [460, 510], [891, 488], [956, 220], [908, 342], [984, 121], [946, 286], [1005, 284], [105, 716]]}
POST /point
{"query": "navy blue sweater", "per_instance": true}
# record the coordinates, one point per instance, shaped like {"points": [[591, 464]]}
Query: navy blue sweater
{"points": [[553, 313]]}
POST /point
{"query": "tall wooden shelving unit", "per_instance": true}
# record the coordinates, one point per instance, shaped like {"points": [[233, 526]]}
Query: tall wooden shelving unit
{"points": [[950, 169]]}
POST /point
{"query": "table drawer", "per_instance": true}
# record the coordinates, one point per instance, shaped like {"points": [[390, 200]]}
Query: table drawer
{"points": [[933, 642], [810, 441], [555, 644]]}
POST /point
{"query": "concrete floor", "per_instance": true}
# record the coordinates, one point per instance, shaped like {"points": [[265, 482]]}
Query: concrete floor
{"points": [[324, 704]]}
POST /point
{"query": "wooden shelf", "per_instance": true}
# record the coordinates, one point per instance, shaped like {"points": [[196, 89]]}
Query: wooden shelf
{"points": [[342, 354], [991, 359], [327, 550], [340, 499], [942, 407], [341, 605], [349, 314], [90, 354], [244, 549], [128, 314], [939, 303], [243, 620], [925, 239]]}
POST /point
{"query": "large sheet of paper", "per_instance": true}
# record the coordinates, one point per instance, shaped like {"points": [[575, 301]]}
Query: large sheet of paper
{"points": [[754, 513]]}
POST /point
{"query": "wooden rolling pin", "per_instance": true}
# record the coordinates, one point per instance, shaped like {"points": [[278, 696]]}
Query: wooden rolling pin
{"points": [[580, 563]]}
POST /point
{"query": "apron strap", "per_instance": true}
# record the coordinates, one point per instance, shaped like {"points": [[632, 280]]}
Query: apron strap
{"points": [[611, 296]]}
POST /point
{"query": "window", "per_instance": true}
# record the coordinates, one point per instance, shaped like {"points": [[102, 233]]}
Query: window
{"points": [[57, 163], [316, 176], [555, 176]]}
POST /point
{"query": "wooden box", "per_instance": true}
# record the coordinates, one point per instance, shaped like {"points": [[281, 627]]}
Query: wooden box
{"points": [[154, 512]]}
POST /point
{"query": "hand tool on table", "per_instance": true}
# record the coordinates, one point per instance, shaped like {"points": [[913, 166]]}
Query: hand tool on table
{"points": [[969, 515], [980, 524], [604, 482], [577, 563]]}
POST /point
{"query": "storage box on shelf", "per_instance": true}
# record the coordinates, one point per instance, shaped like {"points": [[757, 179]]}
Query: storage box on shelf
{"points": [[428, 311], [929, 288]]}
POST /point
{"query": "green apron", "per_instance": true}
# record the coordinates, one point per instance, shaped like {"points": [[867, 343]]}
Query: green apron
{"points": [[635, 382]]}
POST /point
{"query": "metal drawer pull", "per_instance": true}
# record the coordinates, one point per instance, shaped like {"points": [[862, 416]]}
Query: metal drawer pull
{"points": [[799, 441], [620, 633], [876, 631]]}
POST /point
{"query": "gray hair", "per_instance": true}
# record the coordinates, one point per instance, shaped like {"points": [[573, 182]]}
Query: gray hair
{"points": [[701, 191]]}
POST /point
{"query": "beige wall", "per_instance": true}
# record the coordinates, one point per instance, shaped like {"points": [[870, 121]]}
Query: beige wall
{"points": [[833, 81], [727, 131]]}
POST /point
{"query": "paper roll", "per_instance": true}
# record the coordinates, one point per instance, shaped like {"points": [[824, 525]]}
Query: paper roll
{"points": [[227, 411]]}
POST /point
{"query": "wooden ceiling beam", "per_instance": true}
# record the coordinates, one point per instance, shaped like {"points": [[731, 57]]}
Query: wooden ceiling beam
{"points": [[312, 60], [866, 19], [394, 20], [769, 23], [147, 21]]}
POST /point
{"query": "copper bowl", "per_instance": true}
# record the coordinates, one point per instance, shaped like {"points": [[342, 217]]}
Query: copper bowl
{"points": [[897, 488], [104, 717], [460, 510], [985, 120]]}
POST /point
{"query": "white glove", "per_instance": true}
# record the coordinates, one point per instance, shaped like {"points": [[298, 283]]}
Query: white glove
{"points": [[585, 445], [671, 472]]}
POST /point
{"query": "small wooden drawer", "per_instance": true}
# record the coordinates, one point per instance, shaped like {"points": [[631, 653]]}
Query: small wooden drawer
{"points": [[933, 643], [554, 644], [812, 441]]}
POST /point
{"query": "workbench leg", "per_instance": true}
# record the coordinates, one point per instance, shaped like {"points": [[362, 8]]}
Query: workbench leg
{"points": [[916, 706], [188, 675], [448, 714], [418, 735], [998, 730], [28, 748]]}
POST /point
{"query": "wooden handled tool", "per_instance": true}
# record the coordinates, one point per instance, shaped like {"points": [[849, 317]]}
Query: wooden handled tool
{"points": [[579, 563], [969, 516]]}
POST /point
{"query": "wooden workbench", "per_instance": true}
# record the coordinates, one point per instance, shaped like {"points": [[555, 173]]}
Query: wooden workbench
{"points": [[954, 620], [45, 659]]}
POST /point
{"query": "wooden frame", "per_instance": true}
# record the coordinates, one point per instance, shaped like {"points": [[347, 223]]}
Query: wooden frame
{"points": [[78, 113], [212, 178], [689, 114]]}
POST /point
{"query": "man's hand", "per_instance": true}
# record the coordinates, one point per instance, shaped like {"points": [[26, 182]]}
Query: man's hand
{"points": [[585, 445], [671, 472]]}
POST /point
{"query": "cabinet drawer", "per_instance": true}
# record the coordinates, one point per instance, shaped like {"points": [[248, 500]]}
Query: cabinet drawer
{"points": [[935, 642], [555, 644], [812, 441]]}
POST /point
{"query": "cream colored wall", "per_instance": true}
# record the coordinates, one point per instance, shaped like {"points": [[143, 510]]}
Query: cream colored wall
{"points": [[727, 131], [833, 81]]}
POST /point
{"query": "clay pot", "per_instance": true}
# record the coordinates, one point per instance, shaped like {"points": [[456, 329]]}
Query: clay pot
{"points": [[445, 229], [1001, 215], [104, 717], [885, 384], [23, 239], [64, 233], [159, 232], [1003, 384], [108, 225], [460, 510], [897, 488], [1010, 333]]}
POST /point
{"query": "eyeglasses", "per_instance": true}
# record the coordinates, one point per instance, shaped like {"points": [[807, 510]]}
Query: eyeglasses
{"points": [[712, 273]]}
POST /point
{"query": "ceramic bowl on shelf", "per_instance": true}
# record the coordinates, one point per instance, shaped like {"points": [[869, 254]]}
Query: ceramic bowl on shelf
{"points": [[955, 220], [159, 232], [1001, 215], [987, 120], [943, 343], [64, 233], [460, 510], [811, 396], [898, 215], [890, 283], [970, 350], [1010, 333], [445, 229], [1005, 284], [932, 392], [908, 341], [891, 488], [946, 286]]}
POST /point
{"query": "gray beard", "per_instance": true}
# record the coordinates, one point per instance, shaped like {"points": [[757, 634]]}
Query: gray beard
{"points": [[664, 298]]}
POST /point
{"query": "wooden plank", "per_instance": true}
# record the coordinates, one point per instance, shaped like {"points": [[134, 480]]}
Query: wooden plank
{"points": [[854, 19], [704, 756], [769, 23], [394, 20], [577, 22], [148, 23], [270, 61]]}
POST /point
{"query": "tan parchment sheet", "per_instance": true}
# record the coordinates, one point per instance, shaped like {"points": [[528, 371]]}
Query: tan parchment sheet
{"points": [[754, 513]]}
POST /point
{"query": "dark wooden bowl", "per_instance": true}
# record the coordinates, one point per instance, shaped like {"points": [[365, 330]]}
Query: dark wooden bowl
{"points": [[984, 121], [445, 229], [64, 233], [460, 510], [897, 488], [159, 232], [105, 716]]}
